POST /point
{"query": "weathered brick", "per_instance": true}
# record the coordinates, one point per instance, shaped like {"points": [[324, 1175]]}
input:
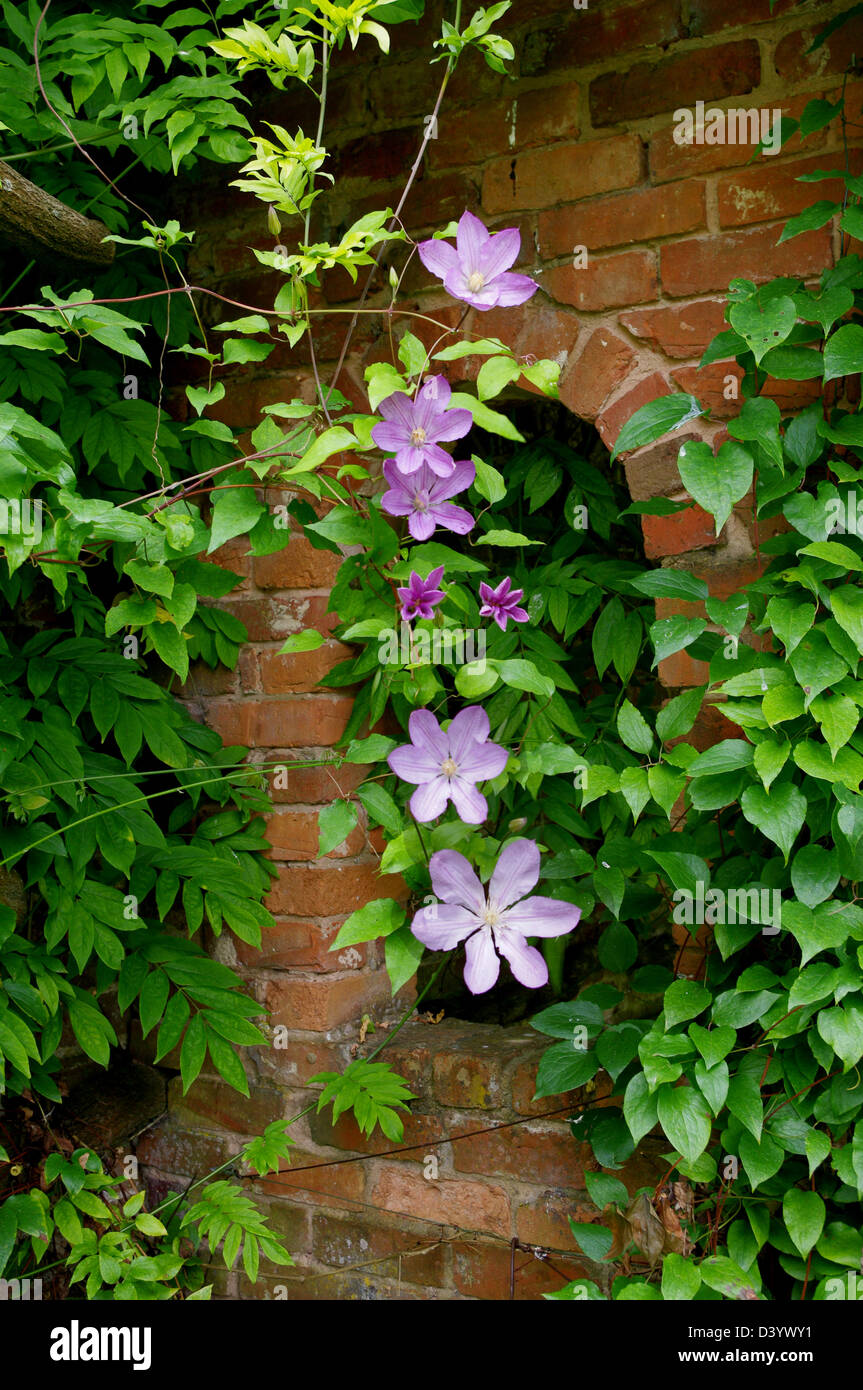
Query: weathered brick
{"points": [[485, 1271], [653, 472], [393, 1252], [669, 160], [711, 16], [298, 566], [317, 1004], [705, 74], [210, 1102], [623, 218], [716, 387], [419, 1129], [291, 781], [175, 1150], [794, 62], [709, 263], [292, 721], [678, 330], [598, 34], [296, 672], [564, 173], [598, 370], [607, 282], [547, 1156], [467, 1077], [772, 190], [545, 1219], [331, 889], [679, 533], [475, 1206], [292, 944], [316, 1180]]}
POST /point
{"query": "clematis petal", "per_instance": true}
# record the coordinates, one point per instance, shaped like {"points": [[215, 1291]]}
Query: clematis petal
{"points": [[469, 726], [471, 238], [440, 927], [461, 477], [525, 962], [410, 458], [430, 800], [438, 256], [414, 765], [422, 524], [482, 761], [454, 424], [396, 502], [514, 289], [455, 283], [482, 966], [390, 436], [500, 252], [438, 460], [540, 916], [515, 873], [399, 408], [519, 615], [426, 733], [450, 518], [437, 390], [470, 804], [454, 881]]}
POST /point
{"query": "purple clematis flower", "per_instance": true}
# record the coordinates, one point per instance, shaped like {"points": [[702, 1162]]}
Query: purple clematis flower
{"points": [[413, 429], [497, 925], [476, 269], [446, 766], [422, 596], [502, 603], [424, 499]]}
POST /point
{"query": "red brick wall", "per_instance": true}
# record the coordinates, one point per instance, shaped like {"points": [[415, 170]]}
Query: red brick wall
{"points": [[577, 151]]}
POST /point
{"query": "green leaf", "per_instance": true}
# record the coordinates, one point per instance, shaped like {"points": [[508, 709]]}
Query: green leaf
{"points": [[842, 1029], [193, 1051], [685, 1118], [670, 583], [335, 823], [640, 1107], [378, 918], [235, 512], [814, 873], [594, 1241], [402, 955], [803, 1214], [761, 1160], [634, 729], [679, 715], [670, 635], [564, 1068], [763, 322], [778, 813], [681, 1279], [714, 1044], [655, 419], [843, 352], [683, 1000], [716, 483]]}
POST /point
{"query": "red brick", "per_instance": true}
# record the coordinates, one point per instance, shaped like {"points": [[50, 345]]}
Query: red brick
{"points": [[293, 835], [599, 369], [710, 16], [269, 618], [245, 398], [293, 721], [425, 1130], [233, 556], [315, 1180], [607, 282], [332, 890], [375, 157], [473, 1206], [794, 63], [309, 786], [547, 1156], [709, 263], [646, 89], [464, 1077], [678, 534], [652, 472], [175, 1150], [542, 178], [293, 944], [708, 385], [678, 330], [611, 421], [298, 566], [771, 190], [295, 1064], [545, 1220], [668, 160], [484, 1271], [623, 218], [216, 1103], [317, 1004], [544, 115], [597, 35], [202, 681], [381, 1249], [292, 672]]}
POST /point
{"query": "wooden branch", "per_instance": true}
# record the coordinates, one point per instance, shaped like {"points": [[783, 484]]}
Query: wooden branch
{"points": [[43, 227]]}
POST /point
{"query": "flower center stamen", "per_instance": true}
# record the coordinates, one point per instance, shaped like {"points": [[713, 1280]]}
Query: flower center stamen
{"points": [[449, 768], [418, 436], [491, 916], [476, 281], [422, 500]]}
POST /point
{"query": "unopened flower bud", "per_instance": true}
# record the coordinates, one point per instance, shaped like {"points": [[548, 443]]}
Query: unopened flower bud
{"points": [[273, 222], [518, 824]]}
